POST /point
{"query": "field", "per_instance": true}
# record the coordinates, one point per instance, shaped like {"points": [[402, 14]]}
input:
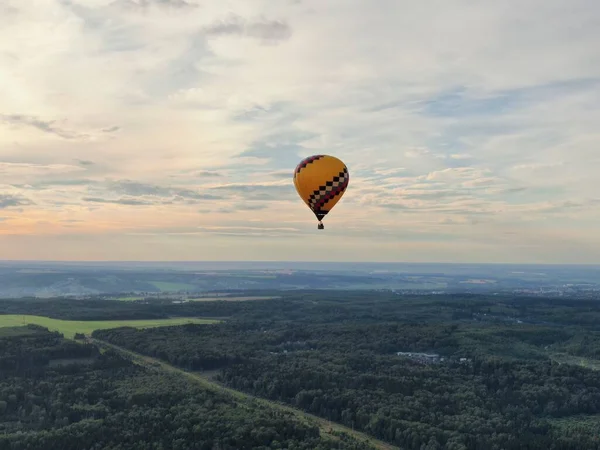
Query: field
{"points": [[69, 327]]}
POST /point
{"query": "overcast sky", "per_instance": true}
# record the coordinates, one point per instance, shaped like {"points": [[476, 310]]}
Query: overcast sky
{"points": [[169, 129]]}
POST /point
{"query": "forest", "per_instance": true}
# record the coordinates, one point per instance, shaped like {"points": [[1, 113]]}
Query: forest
{"points": [[325, 306], [350, 373], [59, 394], [509, 372]]}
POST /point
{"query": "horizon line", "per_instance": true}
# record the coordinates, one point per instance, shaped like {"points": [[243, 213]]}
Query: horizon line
{"points": [[107, 261]]}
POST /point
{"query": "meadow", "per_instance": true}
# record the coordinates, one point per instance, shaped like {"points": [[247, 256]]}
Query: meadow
{"points": [[69, 327]]}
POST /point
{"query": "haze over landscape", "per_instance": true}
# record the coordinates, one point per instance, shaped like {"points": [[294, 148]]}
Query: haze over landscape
{"points": [[177, 280], [169, 130]]}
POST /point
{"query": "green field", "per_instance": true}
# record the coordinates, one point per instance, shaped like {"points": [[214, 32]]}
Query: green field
{"points": [[69, 327]]}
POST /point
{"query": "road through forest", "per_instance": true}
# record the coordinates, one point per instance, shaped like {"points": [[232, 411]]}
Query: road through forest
{"points": [[324, 425]]}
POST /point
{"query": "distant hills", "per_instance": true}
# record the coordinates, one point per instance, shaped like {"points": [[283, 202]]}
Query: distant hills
{"points": [[49, 279]]}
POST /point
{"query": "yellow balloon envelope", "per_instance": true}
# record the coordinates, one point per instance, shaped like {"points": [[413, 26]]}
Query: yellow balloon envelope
{"points": [[321, 181]]}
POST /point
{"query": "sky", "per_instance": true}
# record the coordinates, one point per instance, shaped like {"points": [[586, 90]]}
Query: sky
{"points": [[170, 129]]}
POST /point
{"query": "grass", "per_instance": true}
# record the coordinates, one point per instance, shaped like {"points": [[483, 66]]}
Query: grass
{"points": [[166, 286], [69, 327]]}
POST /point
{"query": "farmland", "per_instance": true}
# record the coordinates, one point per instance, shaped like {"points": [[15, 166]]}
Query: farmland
{"points": [[69, 327]]}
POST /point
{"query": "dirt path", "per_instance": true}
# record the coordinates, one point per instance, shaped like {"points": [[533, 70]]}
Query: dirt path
{"points": [[325, 426]]}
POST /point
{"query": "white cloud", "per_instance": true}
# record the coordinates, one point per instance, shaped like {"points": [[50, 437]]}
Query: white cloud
{"points": [[459, 122], [31, 169]]}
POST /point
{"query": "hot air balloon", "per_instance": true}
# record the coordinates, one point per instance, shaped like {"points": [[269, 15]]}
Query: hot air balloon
{"points": [[321, 181]]}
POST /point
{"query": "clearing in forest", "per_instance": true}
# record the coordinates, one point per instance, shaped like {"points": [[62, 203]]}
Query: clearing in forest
{"points": [[69, 327]]}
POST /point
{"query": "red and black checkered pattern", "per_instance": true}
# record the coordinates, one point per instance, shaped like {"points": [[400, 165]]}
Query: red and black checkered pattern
{"points": [[319, 198], [305, 162]]}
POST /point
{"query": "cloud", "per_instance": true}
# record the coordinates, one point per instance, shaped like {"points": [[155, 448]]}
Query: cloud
{"points": [[42, 125], [254, 228], [84, 162], [280, 149], [32, 168], [144, 5], [111, 129], [282, 173], [57, 183], [458, 103], [266, 30], [482, 144], [124, 201], [136, 193], [539, 166], [137, 189], [207, 174], [24, 173], [460, 156], [250, 231], [274, 190], [9, 201], [237, 207]]}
